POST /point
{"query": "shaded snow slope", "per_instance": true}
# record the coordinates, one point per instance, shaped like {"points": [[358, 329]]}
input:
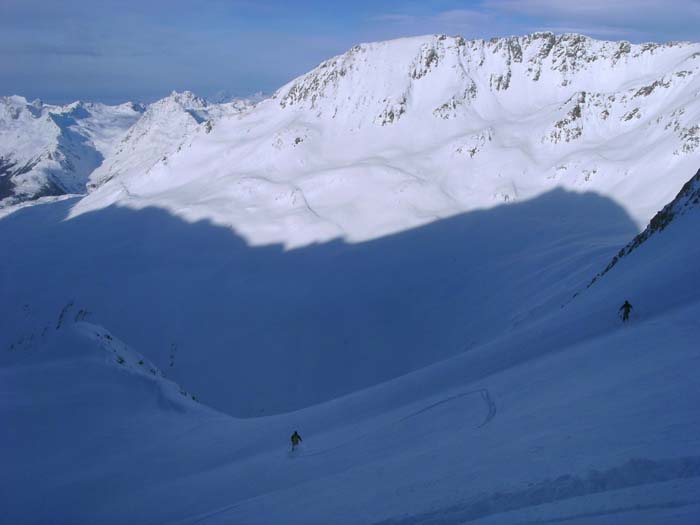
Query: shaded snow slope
{"points": [[397, 134], [261, 329], [571, 417], [51, 150]]}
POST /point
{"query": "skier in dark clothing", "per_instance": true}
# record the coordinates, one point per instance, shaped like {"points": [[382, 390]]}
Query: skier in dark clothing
{"points": [[626, 309], [296, 439]]}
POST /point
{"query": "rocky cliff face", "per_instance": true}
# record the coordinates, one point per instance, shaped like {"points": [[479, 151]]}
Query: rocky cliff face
{"points": [[452, 77]]}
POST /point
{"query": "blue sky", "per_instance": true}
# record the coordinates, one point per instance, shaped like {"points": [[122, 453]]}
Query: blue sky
{"points": [[112, 50]]}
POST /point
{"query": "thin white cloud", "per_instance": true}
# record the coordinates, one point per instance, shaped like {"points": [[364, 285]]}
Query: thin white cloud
{"points": [[453, 21], [601, 10], [396, 18], [636, 20]]}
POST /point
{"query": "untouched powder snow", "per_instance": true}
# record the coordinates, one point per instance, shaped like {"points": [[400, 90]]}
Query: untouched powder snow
{"points": [[394, 256]]}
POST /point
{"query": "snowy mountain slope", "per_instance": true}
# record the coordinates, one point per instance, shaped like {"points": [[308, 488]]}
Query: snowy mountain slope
{"points": [[360, 312], [572, 417], [396, 134], [51, 150], [54, 150], [161, 130], [687, 200], [70, 392]]}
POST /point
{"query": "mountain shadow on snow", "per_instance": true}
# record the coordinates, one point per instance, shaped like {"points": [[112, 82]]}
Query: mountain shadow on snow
{"points": [[253, 322]]}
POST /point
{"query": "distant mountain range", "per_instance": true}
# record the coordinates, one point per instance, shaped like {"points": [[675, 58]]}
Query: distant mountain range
{"points": [[48, 150], [398, 131]]}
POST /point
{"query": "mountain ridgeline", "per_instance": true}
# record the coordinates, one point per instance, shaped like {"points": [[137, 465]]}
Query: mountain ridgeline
{"points": [[688, 199], [392, 135], [460, 102], [50, 150]]}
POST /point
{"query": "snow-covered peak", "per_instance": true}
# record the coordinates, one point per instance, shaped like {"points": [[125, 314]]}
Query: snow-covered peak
{"points": [[393, 135], [185, 100], [162, 130], [51, 150], [17, 108], [177, 105], [441, 74]]}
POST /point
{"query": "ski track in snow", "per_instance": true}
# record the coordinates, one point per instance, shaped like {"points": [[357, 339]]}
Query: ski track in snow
{"points": [[633, 473], [485, 395], [620, 510], [482, 392]]}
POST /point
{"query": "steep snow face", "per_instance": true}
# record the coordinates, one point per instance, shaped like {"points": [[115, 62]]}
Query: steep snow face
{"points": [[162, 130], [51, 150], [396, 134], [656, 269], [687, 201]]}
